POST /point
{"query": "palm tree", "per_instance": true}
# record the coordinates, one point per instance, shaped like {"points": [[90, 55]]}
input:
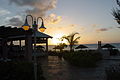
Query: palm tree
{"points": [[116, 12], [60, 46], [71, 40]]}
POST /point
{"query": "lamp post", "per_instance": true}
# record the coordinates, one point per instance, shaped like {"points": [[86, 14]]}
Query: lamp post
{"points": [[26, 27]]}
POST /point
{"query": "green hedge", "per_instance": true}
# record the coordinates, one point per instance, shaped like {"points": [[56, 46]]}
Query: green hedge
{"points": [[83, 58], [18, 71]]}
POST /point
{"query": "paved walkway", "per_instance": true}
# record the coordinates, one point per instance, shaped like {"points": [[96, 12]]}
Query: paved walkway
{"points": [[55, 68]]}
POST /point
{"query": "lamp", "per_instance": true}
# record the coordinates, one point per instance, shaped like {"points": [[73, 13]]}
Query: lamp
{"points": [[26, 26], [42, 28]]}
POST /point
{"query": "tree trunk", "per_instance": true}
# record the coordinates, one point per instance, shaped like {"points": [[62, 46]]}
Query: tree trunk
{"points": [[71, 48]]}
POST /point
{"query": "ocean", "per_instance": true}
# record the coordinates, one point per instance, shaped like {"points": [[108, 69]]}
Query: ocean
{"points": [[90, 46]]}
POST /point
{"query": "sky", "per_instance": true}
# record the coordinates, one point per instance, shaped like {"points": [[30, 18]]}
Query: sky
{"points": [[92, 19]]}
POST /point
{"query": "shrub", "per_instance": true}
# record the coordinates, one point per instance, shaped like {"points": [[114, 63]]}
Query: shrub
{"points": [[83, 58], [18, 71], [113, 72]]}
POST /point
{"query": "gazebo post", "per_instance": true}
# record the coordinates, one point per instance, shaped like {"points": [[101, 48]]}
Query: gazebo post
{"points": [[11, 42], [46, 44], [28, 48], [20, 44], [4, 48]]}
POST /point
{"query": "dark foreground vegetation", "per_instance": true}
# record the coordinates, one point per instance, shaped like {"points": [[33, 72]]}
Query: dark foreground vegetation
{"points": [[83, 59], [18, 71], [113, 72]]}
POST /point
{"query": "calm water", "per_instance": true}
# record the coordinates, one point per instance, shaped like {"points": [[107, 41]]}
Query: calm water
{"points": [[90, 46], [55, 68]]}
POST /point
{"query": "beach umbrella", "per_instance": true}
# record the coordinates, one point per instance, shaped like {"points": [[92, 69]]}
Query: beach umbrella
{"points": [[56, 47], [109, 46], [39, 47], [81, 47]]}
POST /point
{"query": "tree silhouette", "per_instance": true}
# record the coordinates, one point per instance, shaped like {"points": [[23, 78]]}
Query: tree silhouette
{"points": [[116, 12], [60, 46], [71, 40]]}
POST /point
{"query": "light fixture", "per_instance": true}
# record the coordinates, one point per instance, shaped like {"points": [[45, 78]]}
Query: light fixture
{"points": [[42, 28], [26, 26]]}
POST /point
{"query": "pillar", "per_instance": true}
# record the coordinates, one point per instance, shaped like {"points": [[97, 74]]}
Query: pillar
{"points": [[4, 48], [20, 44], [28, 48], [46, 44], [99, 45]]}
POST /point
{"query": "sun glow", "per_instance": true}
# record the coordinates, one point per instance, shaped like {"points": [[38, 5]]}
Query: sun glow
{"points": [[57, 39]]}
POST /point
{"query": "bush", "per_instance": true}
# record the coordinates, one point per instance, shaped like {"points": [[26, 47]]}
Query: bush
{"points": [[83, 58], [18, 71], [113, 72]]}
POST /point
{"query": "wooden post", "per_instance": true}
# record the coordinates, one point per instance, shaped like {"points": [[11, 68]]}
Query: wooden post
{"points": [[28, 48], [20, 44], [46, 44], [4, 48]]}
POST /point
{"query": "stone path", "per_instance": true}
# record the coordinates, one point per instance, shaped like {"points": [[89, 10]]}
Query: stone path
{"points": [[55, 68]]}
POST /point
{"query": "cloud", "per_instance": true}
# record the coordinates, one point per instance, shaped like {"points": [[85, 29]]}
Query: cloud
{"points": [[95, 25], [102, 29], [53, 19], [118, 27], [38, 7], [3, 12], [14, 21], [65, 29]]}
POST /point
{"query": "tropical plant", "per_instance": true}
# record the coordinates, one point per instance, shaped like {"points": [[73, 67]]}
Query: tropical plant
{"points": [[83, 59], [71, 40], [116, 12], [60, 46]]}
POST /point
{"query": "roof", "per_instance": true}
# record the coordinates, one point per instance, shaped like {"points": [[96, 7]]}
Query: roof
{"points": [[38, 34], [108, 46], [41, 35], [19, 33], [81, 46]]}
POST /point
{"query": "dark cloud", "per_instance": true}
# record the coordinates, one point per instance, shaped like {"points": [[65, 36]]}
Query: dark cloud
{"points": [[118, 27], [15, 21], [23, 2], [102, 29], [38, 7]]}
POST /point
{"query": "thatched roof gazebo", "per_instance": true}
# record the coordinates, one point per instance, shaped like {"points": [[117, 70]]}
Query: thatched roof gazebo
{"points": [[9, 34], [108, 46], [81, 47]]}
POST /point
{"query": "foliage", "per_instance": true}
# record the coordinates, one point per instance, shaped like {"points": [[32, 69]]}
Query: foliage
{"points": [[116, 12], [83, 58], [113, 72], [18, 71], [60, 46], [71, 40]]}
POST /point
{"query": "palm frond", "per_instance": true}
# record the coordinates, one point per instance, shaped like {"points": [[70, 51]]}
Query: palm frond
{"points": [[77, 38], [116, 14], [118, 2]]}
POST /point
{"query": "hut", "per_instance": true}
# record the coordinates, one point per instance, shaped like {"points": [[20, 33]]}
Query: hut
{"points": [[9, 35], [81, 47]]}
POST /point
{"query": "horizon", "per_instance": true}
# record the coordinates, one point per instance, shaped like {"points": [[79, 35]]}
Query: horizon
{"points": [[91, 43]]}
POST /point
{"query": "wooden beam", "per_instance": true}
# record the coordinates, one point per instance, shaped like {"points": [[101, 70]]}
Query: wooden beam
{"points": [[46, 44]]}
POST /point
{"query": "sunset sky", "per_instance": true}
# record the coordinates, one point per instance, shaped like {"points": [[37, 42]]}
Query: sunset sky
{"points": [[92, 19]]}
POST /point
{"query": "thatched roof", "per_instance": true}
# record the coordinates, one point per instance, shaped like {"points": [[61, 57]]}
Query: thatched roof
{"points": [[81, 47], [108, 46], [19, 33]]}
